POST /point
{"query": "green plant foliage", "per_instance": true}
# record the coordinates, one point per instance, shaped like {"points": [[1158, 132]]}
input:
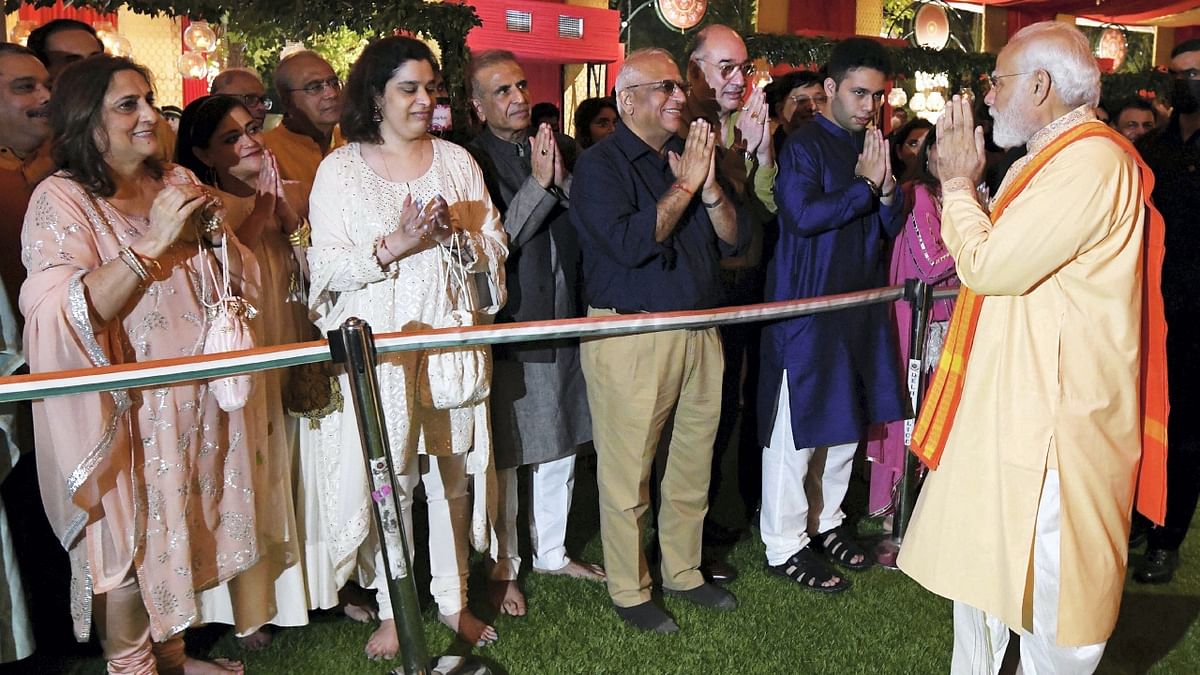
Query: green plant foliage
{"points": [[965, 70]]}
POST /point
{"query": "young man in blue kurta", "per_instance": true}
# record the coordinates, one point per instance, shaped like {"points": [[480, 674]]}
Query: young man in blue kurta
{"points": [[826, 377]]}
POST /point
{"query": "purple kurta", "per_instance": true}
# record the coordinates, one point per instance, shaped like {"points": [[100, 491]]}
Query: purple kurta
{"points": [[834, 234]]}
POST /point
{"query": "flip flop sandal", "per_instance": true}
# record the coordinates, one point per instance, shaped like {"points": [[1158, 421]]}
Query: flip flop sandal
{"points": [[806, 569], [840, 547]]}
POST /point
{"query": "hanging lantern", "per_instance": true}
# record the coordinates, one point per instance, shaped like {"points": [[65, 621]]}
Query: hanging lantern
{"points": [[121, 46], [935, 102], [291, 47], [1112, 45], [20, 32], [199, 37], [192, 65], [917, 103], [897, 97]]}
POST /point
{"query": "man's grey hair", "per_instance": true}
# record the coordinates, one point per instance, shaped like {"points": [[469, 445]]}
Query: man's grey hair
{"points": [[226, 78], [628, 74], [486, 59], [1061, 50]]}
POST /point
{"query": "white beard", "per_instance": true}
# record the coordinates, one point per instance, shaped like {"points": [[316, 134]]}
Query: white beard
{"points": [[1010, 128]]}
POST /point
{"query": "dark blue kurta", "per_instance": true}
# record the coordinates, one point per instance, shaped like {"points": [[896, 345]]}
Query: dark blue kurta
{"points": [[834, 235]]}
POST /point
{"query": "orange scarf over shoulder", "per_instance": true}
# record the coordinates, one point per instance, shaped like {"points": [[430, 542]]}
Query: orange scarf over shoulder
{"points": [[945, 391]]}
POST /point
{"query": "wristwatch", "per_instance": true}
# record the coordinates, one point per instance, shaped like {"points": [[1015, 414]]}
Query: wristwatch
{"points": [[870, 183]]}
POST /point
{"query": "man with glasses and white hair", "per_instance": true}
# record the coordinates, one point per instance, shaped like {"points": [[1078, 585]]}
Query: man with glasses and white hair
{"points": [[311, 94], [244, 85], [653, 223], [1051, 390], [724, 94]]}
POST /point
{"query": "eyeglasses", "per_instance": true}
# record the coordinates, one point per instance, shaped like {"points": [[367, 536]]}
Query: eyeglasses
{"points": [[252, 100], [319, 87], [667, 87], [727, 69], [1187, 74], [800, 100], [993, 79]]}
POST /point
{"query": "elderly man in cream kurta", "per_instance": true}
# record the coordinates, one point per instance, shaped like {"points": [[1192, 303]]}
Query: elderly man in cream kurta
{"points": [[1024, 524]]}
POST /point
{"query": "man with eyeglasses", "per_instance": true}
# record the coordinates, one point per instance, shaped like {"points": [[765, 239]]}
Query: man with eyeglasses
{"points": [[538, 402], [243, 84], [1050, 397], [795, 99], [724, 94], [654, 223], [826, 377], [311, 94], [1173, 152]]}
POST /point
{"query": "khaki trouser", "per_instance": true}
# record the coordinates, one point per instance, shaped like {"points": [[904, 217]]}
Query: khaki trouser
{"points": [[634, 383]]}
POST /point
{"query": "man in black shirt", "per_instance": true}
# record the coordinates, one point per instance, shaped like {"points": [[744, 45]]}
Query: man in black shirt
{"points": [[1174, 154], [653, 224]]}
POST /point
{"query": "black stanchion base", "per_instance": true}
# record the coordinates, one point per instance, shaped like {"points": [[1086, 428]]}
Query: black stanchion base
{"points": [[886, 552], [453, 665]]}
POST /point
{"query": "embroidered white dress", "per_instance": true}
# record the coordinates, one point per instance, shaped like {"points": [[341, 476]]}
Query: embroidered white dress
{"points": [[351, 208]]}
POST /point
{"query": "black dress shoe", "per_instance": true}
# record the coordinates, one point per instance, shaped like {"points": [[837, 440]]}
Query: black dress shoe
{"points": [[716, 534], [1158, 567], [707, 595], [718, 571], [648, 617]]}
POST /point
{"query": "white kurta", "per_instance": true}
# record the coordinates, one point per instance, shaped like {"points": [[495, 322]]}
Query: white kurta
{"points": [[16, 632], [351, 208]]}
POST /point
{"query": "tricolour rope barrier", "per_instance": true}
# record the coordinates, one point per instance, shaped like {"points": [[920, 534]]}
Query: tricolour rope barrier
{"points": [[171, 371]]}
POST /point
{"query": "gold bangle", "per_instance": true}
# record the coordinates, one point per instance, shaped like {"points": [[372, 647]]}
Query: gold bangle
{"points": [[302, 236]]}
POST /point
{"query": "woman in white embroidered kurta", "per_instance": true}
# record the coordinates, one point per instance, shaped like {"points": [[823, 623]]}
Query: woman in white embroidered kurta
{"points": [[383, 209]]}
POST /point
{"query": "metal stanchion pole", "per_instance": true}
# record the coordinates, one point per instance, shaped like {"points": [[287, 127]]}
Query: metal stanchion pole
{"points": [[920, 300], [919, 296], [354, 346]]}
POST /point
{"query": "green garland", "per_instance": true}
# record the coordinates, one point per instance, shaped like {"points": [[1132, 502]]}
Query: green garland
{"points": [[964, 69]]}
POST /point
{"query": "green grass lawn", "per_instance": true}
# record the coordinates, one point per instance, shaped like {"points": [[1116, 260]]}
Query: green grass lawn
{"points": [[885, 624]]}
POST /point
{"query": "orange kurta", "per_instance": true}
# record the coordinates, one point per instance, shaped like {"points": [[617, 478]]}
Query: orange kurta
{"points": [[1053, 382], [299, 155]]}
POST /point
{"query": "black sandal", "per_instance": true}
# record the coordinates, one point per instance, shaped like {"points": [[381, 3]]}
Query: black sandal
{"points": [[840, 547], [806, 569]]}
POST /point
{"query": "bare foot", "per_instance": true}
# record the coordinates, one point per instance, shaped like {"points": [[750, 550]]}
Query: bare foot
{"points": [[469, 628], [257, 640], [578, 570], [507, 597], [218, 666], [383, 643], [357, 605]]}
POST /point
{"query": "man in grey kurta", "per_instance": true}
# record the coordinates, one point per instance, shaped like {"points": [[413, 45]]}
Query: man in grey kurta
{"points": [[539, 403]]}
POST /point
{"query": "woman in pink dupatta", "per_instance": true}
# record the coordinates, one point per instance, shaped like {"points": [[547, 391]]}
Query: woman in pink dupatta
{"points": [[918, 253], [148, 489]]}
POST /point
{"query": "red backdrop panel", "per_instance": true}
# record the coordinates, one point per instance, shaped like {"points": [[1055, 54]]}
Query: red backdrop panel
{"points": [[821, 16]]}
